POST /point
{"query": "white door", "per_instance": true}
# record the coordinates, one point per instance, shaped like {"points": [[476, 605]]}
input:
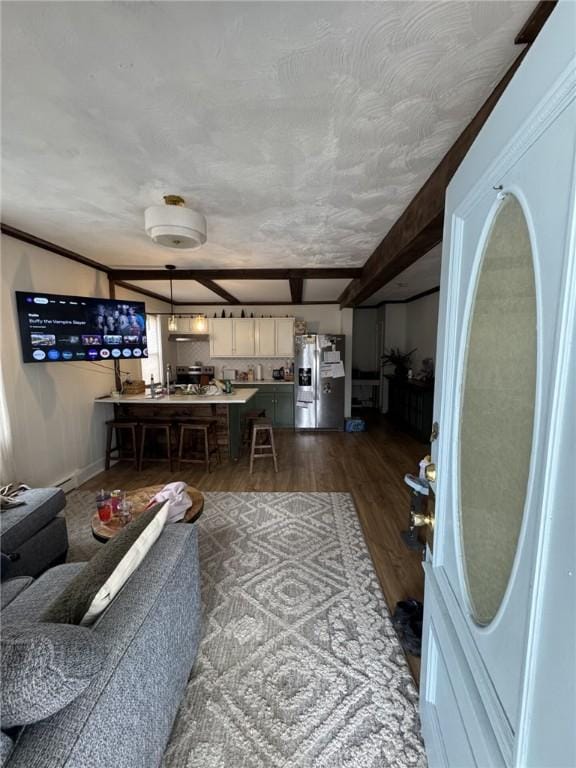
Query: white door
{"points": [[265, 337], [221, 337], [284, 337], [498, 672], [243, 337]]}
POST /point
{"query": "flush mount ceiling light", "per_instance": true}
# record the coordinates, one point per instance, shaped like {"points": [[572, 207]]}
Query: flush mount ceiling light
{"points": [[175, 226]]}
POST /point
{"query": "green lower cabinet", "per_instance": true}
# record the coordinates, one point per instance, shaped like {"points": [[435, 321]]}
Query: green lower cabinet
{"points": [[284, 407], [263, 401], [276, 400]]}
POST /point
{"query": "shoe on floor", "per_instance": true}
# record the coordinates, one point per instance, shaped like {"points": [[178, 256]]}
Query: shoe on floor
{"points": [[406, 610], [411, 642]]}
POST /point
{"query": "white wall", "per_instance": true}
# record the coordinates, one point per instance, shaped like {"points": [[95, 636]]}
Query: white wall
{"points": [[422, 328], [394, 336], [396, 325], [366, 340], [320, 318], [57, 430]]}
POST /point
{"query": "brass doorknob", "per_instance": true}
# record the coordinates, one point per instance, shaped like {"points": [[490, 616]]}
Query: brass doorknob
{"points": [[417, 519], [430, 473]]}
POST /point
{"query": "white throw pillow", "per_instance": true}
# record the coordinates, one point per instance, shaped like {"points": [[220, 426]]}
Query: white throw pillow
{"points": [[126, 567]]}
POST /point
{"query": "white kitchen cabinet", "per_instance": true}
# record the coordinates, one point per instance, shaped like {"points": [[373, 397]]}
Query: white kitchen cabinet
{"points": [[221, 337], [284, 336], [248, 337], [243, 337], [183, 324], [265, 331]]}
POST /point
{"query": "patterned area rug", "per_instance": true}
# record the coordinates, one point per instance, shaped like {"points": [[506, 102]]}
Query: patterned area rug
{"points": [[299, 666]]}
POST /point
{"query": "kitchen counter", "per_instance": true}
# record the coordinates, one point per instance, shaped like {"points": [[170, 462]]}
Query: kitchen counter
{"points": [[226, 409], [235, 398], [262, 381]]}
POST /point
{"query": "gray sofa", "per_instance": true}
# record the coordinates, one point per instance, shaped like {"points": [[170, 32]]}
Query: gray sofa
{"points": [[151, 633], [33, 536]]}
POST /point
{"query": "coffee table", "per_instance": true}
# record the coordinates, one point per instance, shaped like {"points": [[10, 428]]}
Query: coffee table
{"points": [[140, 499]]}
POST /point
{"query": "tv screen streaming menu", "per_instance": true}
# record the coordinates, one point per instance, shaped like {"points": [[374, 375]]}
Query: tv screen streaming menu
{"points": [[55, 328]]}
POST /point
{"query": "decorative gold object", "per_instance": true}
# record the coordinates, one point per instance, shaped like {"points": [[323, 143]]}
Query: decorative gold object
{"points": [[173, 200], [419, 519], [430, 473]]}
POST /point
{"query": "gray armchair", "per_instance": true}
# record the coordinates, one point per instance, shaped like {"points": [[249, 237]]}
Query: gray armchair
{"points": [[33, 536]]}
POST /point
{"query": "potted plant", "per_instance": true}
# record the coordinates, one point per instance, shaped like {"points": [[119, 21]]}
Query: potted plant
{"points": [[400, 360]]}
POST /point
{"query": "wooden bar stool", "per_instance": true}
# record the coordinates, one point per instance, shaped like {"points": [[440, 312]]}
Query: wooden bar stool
{"points": [[263, 450], [249, 418], [204, 431], [118, 424], [151, 426]]}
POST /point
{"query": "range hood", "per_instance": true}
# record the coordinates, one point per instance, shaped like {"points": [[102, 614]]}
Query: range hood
{"points": [[188, 337]]}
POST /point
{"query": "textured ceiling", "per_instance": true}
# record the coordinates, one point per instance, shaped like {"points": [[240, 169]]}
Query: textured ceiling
{"points": [[301, 130], [323, 290]]}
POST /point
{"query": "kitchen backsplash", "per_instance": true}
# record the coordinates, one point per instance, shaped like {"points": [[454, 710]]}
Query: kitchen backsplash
{"points": [[188, 352]]}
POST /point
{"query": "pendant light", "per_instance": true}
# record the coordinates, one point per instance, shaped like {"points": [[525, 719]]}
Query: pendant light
{"points": [[172, 324], [199, 323]]}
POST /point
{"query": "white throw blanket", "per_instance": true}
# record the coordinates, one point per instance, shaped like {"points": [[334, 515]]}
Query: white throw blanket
{"points": [[179, 501]]}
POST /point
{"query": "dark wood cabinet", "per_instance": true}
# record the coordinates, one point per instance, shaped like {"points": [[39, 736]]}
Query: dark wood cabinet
{"points": [[411, 405]]}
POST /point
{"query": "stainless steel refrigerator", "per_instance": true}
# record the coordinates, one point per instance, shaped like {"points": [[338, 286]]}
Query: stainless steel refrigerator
{"points": [[319, 382]]}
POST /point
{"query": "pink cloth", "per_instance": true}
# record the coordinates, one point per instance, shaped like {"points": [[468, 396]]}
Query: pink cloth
{"points": [[179, 501]]}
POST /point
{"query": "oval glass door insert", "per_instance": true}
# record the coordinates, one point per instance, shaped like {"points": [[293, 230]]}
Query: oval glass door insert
{"points": [[497, 413]]}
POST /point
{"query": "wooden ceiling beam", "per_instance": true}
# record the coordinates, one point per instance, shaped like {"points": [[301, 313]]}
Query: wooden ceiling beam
{"points": [[296, 289], [321, 273], [535, 22], [419, 228], [26, 237], [141, 291], [263, 303], [218, 290]]}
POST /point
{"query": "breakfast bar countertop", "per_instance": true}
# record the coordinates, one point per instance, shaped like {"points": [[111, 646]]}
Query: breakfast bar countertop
{"points": [[239, 382], [238, 397]]}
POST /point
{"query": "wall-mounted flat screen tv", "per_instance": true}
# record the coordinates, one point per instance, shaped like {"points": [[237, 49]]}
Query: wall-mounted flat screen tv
{"points": [[56, 328]]}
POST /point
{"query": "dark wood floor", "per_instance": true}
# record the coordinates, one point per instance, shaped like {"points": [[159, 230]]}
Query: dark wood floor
{"points": [[369, 465]]}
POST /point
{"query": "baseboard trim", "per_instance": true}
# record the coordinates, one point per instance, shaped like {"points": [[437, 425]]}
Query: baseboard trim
{"points": [[87, 473], [82, 475], [66, 485]]}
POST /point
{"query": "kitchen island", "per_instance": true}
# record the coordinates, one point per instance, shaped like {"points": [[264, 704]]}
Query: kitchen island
{"points": [[224, 408]]}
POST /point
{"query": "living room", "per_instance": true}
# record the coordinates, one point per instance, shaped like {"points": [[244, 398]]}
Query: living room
{"points": [[236, 307]]}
